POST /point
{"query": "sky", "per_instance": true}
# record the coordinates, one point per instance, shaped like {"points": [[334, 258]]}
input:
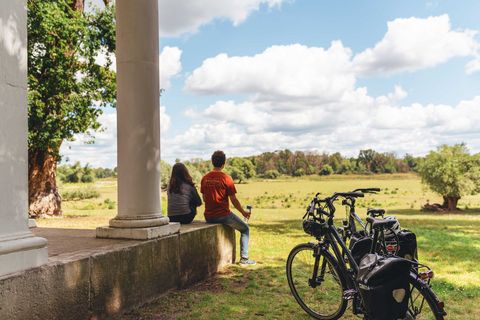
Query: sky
{"points": [[250, 76]]}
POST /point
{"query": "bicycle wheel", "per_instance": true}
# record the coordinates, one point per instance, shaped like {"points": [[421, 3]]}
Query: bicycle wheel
{"points": [[320, 295], [422, 304]]}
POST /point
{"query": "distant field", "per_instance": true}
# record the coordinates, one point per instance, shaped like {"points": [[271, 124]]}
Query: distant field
{"points": [[449, 243]]}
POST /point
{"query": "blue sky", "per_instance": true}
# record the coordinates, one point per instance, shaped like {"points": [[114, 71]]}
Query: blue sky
{"points": [[260, 75]]}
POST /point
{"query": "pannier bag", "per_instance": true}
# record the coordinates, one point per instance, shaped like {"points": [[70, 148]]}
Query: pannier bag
{"points": [[360, 245], [314, 228], [384, 286], [407, 244]]}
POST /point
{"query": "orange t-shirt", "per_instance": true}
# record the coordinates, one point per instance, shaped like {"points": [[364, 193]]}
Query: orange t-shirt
{"points": [[216, 186]]}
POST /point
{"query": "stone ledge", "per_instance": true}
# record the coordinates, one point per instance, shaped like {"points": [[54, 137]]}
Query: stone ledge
{"points": [[118, 275], [138, 233]]}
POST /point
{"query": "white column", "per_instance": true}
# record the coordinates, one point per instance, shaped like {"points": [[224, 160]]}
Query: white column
{"points": [[138, 124], [19, 248]]}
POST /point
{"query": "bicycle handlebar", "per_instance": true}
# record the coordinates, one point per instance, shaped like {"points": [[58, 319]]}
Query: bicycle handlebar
{"points": [[367, 190]]}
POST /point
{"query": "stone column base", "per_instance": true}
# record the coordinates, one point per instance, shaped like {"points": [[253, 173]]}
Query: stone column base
{"points": [[32, 223], [22, 254], [139, 233]]}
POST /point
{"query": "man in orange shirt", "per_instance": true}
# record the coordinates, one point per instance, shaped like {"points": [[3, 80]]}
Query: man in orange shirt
{"points": [[217, 188]]}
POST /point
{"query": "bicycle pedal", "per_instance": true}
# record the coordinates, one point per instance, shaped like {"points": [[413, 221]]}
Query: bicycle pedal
{"points": [[349, 294]]}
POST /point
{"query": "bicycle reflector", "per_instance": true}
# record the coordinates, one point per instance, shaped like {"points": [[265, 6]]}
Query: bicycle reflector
{"points": [[392, 247]]}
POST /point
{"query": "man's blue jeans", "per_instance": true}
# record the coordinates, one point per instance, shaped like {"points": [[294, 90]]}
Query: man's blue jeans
{"points": [[236, 223]]}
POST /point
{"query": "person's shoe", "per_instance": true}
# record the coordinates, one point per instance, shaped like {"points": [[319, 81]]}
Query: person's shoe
{"points": [[247, 262]]}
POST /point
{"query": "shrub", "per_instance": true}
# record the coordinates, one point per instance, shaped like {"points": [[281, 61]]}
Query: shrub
{"points": [[271, 174], [87, 178], [109, 204], [326, 170], [80, 194]]}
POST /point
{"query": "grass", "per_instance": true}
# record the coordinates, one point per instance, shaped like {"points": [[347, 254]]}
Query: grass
{"points": [[449, 243]]}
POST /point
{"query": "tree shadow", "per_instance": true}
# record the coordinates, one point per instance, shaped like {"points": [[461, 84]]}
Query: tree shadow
{"points": [[412, 212], [290, 228]]}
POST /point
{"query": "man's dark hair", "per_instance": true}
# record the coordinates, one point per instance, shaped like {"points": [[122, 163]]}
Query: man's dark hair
{"points": [[218, 159]]}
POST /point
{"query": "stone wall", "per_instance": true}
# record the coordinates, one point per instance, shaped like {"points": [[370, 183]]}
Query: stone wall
{"points": [[98, 283]]}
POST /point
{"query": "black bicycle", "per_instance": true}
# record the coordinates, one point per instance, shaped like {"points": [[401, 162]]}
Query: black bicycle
{"points": [[322, 275]]}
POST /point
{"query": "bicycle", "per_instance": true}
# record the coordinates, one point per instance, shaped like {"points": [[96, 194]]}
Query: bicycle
{"points": [[397, 241], [323, 281]]}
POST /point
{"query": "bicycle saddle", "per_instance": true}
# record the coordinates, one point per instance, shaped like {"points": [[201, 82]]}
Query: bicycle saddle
{"points": [[382, 223], [375, 212]]}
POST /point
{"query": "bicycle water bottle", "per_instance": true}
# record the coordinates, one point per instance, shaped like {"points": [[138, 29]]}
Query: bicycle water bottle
{"points": [[249, 208]]}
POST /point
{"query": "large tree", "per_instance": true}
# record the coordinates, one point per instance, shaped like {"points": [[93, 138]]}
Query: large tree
{"points": [[452, 173], [67, 87]]}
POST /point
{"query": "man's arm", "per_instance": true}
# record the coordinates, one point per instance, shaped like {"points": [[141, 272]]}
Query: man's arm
{"points": [[238, 206]]}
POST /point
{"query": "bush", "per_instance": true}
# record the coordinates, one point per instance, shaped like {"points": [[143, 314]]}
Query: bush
{"points": [[326, 170], [80, 194], [109, 204], [299, 172], [87, 178], [271, 174]]}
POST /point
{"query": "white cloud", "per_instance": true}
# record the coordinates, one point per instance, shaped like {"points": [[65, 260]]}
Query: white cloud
{"points": [[414, 43], [164, 120], [306, 98], [355, 123], [473, 66], [293, 71], [170, 65], [103, 151], [177, 17]]}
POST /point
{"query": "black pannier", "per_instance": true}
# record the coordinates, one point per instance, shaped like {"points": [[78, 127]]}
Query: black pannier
{"points": [[384, 286], [314, 228], [407, 242], [359, 245]]}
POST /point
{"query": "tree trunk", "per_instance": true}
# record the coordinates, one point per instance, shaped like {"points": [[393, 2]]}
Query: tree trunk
{"points": [[43, 197], [450, 203], [77, 5]]}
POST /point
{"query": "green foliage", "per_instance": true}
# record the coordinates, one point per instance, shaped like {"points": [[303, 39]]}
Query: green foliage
{"points": [[326, 170], [451, 171], [241, 169], [80, 194], [109, 204], [66, 87], [165, 172], [76, 173], [271, 174], [101, 173]]}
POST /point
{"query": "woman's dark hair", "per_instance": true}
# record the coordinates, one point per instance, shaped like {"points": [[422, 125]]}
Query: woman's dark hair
{"points": [[179, 175], [218, 159]]}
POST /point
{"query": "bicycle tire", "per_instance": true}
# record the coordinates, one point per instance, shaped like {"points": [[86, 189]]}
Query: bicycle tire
{"points": [[298, 275], [420, 290]]}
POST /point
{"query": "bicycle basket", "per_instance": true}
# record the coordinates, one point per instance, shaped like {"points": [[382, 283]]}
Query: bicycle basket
{"points": [[313, 228]]}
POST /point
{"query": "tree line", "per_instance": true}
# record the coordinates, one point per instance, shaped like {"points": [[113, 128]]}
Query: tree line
{"points": [[450, 171], [268, 165], [271, 165]]}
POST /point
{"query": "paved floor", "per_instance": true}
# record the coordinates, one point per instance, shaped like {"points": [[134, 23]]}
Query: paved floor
{"points": [[68, 241]]}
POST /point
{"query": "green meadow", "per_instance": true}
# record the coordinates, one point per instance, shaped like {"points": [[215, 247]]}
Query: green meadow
{"points": [[448, 243]]}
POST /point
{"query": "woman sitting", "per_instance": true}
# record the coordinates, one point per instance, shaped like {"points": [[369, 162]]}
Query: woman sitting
{"points": [[183, 198]]}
